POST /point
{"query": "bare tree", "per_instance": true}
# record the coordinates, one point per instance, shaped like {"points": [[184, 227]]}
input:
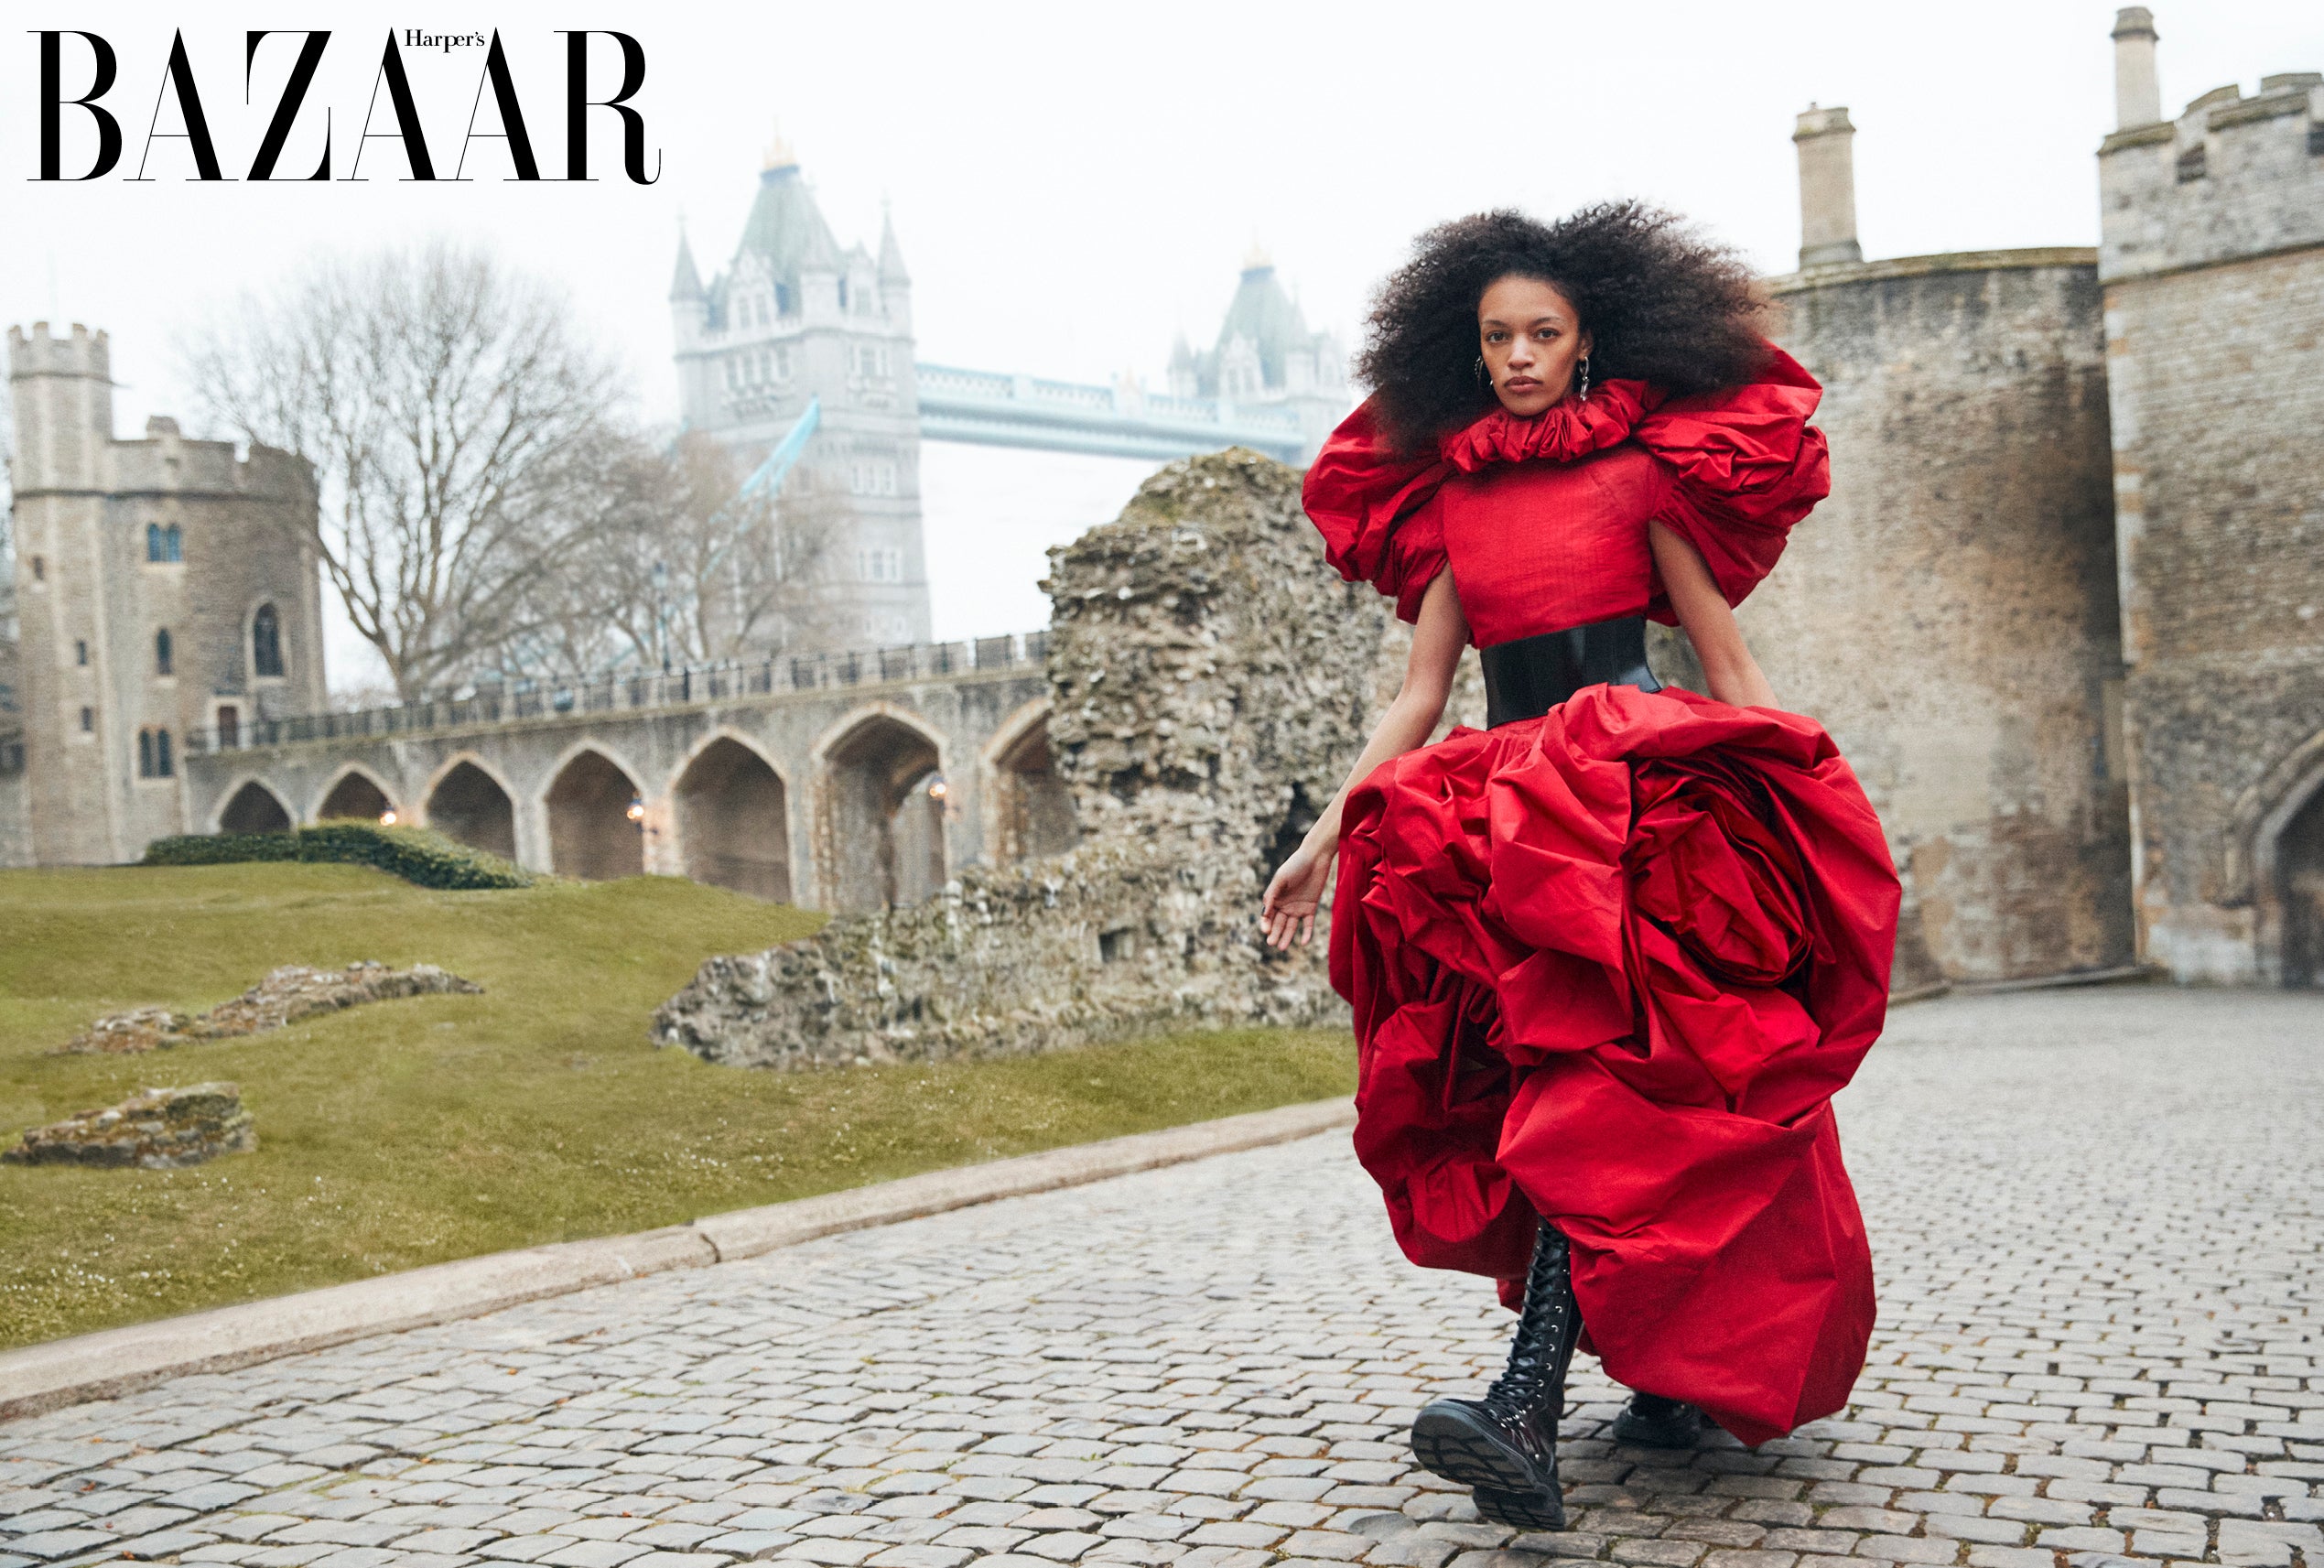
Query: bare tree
{"points": [[679, 564], [449, 406]]}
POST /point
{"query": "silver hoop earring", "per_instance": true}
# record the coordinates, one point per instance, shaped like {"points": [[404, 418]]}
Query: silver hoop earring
{"points": [[1481, 378], [1585, 378]]}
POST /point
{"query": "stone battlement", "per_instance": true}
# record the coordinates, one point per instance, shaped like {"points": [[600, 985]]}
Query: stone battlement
{"points": [[39, 352], [2230, 178]]}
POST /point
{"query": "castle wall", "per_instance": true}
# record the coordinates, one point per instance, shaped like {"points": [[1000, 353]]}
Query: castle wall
{"points": [[2213, 268], [1949, 612], [91, 603]]}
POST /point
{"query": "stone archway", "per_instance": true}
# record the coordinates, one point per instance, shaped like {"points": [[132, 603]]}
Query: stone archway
{"points": [[469, 805], [354, 795], [1032, 811], [2299, 888], [591, 833], [735, 822], [884, 838], [254, 808]]}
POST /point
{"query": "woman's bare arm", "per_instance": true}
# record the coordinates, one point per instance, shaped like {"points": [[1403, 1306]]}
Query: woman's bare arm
{"points": [[1728, 668], [1439, 635]]}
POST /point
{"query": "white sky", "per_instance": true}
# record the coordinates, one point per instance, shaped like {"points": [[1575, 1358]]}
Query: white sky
{"points": [[1074, 183]]}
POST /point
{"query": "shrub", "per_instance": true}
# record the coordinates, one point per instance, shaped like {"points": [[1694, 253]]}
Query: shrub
{"points": [[221, 848], [415, 854]]}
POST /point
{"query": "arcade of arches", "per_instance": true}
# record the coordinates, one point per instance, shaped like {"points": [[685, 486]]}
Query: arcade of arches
{"points": [[735, 822], [470, 806], [253, 809], [355, 796], [591, 833], [883, 839]]}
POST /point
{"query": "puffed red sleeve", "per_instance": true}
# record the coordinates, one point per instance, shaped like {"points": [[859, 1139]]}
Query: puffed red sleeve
{"points": [[1376, 510], [1745, 467]]}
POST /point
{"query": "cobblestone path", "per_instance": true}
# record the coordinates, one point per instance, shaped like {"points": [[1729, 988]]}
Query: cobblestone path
{"points": [[2096, 1220]]}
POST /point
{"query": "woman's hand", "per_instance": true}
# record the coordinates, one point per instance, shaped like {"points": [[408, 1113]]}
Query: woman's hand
{"points": [[1287, 913]]}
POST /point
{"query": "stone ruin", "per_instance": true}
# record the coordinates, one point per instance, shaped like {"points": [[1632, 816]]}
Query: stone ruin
{"points": [[1211, 682], [157, 1129], [286, 996]]}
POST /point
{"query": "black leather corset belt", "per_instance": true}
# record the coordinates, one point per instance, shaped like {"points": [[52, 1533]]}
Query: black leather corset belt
{"points": [[1526, 679]]}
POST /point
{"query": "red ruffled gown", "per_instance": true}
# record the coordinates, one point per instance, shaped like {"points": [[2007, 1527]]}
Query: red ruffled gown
{"points": [[1609, 966]]}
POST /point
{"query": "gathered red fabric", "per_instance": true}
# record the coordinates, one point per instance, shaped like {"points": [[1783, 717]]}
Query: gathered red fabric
{"points": [[1609, 968], [1540, 518]]}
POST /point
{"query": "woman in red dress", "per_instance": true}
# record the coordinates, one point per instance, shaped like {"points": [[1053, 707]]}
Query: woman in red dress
{"points": [[1610, 956]]}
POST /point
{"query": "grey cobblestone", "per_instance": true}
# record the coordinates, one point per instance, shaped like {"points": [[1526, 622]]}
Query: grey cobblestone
{"points": [[2094, 1216]]}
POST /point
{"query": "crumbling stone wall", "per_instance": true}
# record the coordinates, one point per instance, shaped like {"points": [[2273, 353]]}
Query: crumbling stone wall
{"points": [[1211, 683]]}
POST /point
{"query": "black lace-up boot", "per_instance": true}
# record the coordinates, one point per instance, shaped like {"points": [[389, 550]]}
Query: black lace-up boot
{"points": [[1653, 1421], [1505, 1444]]}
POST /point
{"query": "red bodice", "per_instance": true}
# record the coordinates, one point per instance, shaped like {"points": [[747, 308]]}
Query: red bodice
{"points": [[1543, 520]]}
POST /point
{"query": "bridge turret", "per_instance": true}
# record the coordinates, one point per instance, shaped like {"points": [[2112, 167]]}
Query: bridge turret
{"points": [[896, 283], [689, 302]]}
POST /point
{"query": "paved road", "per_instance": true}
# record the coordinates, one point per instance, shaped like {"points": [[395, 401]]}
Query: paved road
{"points": [[2096, 1217]]}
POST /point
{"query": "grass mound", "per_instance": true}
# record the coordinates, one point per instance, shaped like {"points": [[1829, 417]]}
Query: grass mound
{"points": [[424, 858], [447, 1126]]}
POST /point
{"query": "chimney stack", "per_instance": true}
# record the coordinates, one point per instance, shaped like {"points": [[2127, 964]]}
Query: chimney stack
{"points": [[2138, 92], [1827, 187]]}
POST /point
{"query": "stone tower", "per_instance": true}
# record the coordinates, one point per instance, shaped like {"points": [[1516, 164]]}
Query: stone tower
{"points": [[793, 318], [1265, 356], [1949, 612], [167, 594], [2213, 263]]}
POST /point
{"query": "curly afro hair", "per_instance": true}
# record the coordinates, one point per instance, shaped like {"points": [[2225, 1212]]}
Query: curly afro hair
{"points": [[1662, 304]]}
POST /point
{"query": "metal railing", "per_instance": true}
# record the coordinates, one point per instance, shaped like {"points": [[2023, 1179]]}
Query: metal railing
{"points": [[632, 691]]}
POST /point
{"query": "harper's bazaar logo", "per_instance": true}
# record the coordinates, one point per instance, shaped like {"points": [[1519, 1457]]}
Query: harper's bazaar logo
{"points": [[181, 124]]}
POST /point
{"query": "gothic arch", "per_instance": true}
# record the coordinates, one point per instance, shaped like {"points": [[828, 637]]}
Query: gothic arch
{"points": [[731, 807], [882, 798], [1028, 812], [468, 800], [353, 792], [588, 799], [253, 806], [2275, 864]]}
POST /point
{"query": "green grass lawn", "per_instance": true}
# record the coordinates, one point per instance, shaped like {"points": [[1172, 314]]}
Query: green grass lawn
{"points": [[410, 1132]]}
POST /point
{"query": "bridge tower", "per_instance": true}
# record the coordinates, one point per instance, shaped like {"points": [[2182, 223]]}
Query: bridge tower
{"points": [[793, 318]]}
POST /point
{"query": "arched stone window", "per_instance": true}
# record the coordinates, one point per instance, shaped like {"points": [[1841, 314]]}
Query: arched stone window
{"points": [[165, 766], [265, 641], [164, 544], [153, 543], [163, 653], [145, 754]]}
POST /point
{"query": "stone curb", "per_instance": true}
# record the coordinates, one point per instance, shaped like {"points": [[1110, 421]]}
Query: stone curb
{"points": [[119, 1360]]}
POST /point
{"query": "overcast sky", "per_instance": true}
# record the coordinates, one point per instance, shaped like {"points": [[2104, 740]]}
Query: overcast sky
{"points": [[1073, 184]]}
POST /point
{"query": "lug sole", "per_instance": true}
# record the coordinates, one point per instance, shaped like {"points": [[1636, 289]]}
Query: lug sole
{"points": [[1520, 1510], [1453, 1441]]}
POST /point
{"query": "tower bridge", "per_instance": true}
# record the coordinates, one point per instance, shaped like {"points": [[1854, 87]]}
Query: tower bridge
{"points": [[794, 321]]}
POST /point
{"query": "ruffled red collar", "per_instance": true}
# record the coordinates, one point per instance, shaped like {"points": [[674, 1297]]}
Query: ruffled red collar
{"points": [[1570, 428]]}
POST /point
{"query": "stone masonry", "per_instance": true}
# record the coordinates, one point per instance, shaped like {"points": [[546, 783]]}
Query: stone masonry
{"points": [[1949, 612], [2213, 265], [1210, 685], [121, 545], [2097, 1341]]}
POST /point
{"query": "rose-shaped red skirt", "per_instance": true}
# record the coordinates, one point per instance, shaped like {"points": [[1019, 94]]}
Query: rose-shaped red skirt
{"points": [[1609, 968]]}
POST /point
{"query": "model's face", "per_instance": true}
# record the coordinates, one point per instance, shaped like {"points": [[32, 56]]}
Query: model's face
{"points": [[1531, 339]]}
